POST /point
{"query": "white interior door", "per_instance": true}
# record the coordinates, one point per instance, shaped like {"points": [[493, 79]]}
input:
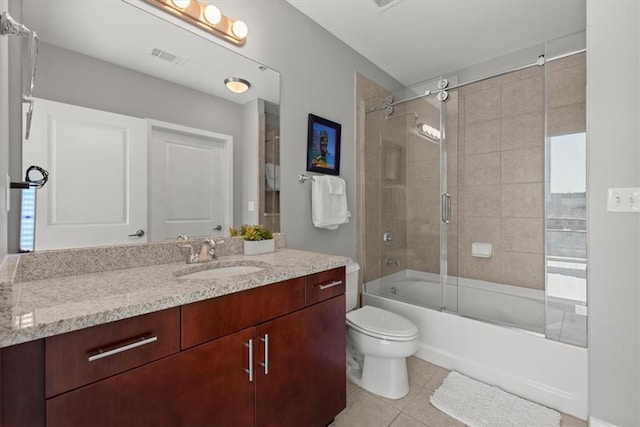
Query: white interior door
{"points": [[190, 182], [97, 163]]}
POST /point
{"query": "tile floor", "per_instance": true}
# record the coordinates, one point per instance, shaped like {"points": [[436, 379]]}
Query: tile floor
{"points": [[414, 410]]}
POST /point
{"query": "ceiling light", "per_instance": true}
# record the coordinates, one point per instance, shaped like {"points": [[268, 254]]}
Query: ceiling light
{"points": [[240, 29], [236, 84], [205, 17], [212, 14]]}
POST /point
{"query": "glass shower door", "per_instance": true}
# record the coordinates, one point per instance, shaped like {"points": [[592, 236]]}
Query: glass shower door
{"points": [[449, 201], [415, 204]]}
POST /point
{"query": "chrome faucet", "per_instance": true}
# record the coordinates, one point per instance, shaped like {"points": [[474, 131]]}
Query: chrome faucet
{"points": [[206, 252], [390, 261]]}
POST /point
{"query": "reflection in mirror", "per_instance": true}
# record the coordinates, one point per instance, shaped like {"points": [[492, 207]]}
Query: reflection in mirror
{"points": [[138, 131], [270, 179]]}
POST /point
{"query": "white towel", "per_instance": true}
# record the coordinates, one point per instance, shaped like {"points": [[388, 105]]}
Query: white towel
{"points": [[272, 175], [329, 202]]}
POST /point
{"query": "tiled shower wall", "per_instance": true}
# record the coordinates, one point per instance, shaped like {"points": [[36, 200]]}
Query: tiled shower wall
{"points": [[566, 95], [502, 178], [495, 161], [502, 157]]}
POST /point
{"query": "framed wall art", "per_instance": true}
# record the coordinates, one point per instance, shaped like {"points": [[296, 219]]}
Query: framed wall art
{"points": [[323, 146]]}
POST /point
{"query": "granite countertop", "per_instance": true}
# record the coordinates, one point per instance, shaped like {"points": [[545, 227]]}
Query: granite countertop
{"points": [[35, 309]]}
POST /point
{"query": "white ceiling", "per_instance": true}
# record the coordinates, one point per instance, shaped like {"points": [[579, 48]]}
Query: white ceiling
{"points": [[122, 34], [414, 40]]}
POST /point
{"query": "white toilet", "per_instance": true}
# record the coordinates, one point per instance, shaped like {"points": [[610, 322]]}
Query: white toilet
{"points": [[378, 343]]}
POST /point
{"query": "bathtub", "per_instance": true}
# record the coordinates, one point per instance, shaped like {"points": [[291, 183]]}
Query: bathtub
{"points": [[492, 302], [497, 351]]}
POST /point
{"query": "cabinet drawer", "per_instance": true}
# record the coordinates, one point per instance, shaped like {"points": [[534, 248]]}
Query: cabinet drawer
{"points": [[324, 285], [80, 357], [206, 320]]}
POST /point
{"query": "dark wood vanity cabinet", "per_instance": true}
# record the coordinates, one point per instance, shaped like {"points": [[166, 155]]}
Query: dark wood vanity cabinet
{"points": [[202, 386], [270, 356], [305, 382]]}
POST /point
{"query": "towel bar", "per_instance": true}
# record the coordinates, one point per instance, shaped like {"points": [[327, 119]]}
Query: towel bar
{"points": [[304, 178]]}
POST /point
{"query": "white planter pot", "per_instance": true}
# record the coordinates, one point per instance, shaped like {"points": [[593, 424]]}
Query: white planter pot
{"points": [[259, 246]]}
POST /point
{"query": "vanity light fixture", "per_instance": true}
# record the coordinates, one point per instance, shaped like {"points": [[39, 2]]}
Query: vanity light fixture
{"points": [[213, 15], [206, 17], [237, 85], [181, 4]]}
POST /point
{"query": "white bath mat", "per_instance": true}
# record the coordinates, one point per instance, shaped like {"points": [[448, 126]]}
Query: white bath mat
{"points": [[480, 405]]}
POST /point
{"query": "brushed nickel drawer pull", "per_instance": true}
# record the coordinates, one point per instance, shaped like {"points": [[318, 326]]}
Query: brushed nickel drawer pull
{"points": [[265, 364], [249, 371], [330, 285], [140, 342]]}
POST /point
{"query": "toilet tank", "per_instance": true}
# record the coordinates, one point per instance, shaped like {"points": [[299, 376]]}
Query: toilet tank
{"points": [[352, 285]]}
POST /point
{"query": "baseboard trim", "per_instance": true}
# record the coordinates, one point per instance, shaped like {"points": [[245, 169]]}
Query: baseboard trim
{"points": [[594, 422]]}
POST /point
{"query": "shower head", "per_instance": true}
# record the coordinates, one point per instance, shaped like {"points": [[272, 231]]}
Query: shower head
{"points": [[429, 132]]}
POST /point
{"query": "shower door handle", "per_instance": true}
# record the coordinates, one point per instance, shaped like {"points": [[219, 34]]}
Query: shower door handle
{"points": [[446, 208]]}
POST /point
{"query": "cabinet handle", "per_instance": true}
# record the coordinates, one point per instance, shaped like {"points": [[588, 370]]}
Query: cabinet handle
{"points": [[139, 342], [250, 370], [265, 364], [330, 285]]}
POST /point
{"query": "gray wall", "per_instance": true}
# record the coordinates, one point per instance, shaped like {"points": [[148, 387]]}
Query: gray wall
{"points": [[613, 56], [317, 76], [69, 77]]}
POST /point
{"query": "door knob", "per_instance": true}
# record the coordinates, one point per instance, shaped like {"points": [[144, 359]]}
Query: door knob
{"points": [[218, 228], [138, 233]]}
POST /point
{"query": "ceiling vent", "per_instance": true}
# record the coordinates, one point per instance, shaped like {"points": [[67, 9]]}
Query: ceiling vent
{"points": [[385, 4], [167, 56]]}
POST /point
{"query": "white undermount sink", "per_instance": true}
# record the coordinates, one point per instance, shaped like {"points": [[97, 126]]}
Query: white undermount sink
{"points": [[222, 272]]}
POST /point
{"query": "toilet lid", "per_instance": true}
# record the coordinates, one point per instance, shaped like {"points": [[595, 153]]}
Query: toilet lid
{"points": [[378, 321]]}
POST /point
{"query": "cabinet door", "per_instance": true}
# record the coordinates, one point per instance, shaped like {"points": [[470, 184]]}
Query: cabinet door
{"points": [[306, 380], [206, 385]]}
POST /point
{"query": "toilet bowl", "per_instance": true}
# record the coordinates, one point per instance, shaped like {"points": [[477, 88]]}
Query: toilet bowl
{"points": [[378, 343]]}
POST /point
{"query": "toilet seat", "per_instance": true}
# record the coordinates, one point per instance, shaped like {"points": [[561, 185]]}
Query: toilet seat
{"points": [[382, 324]]}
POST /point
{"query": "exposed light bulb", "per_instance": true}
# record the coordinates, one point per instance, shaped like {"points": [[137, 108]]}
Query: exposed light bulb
{"points": [[181, 4], [240, 29], [207, 17], [212, 14]]}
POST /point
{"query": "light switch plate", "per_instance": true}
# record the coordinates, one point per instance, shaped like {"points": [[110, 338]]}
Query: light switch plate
{"points": [[623, 199]]}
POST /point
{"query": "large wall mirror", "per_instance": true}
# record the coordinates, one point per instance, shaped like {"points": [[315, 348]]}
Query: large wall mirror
{"points": [[141, 138]]}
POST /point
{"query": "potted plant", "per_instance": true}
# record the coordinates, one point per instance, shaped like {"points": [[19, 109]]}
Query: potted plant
{"points": [[258, 239]]}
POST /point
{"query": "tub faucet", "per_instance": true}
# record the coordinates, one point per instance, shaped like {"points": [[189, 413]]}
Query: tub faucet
{"points": [[206, 253], [390, 261]]}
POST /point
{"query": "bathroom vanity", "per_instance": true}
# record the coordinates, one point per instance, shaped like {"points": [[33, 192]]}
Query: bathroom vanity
{"points": [[264, 348]]}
